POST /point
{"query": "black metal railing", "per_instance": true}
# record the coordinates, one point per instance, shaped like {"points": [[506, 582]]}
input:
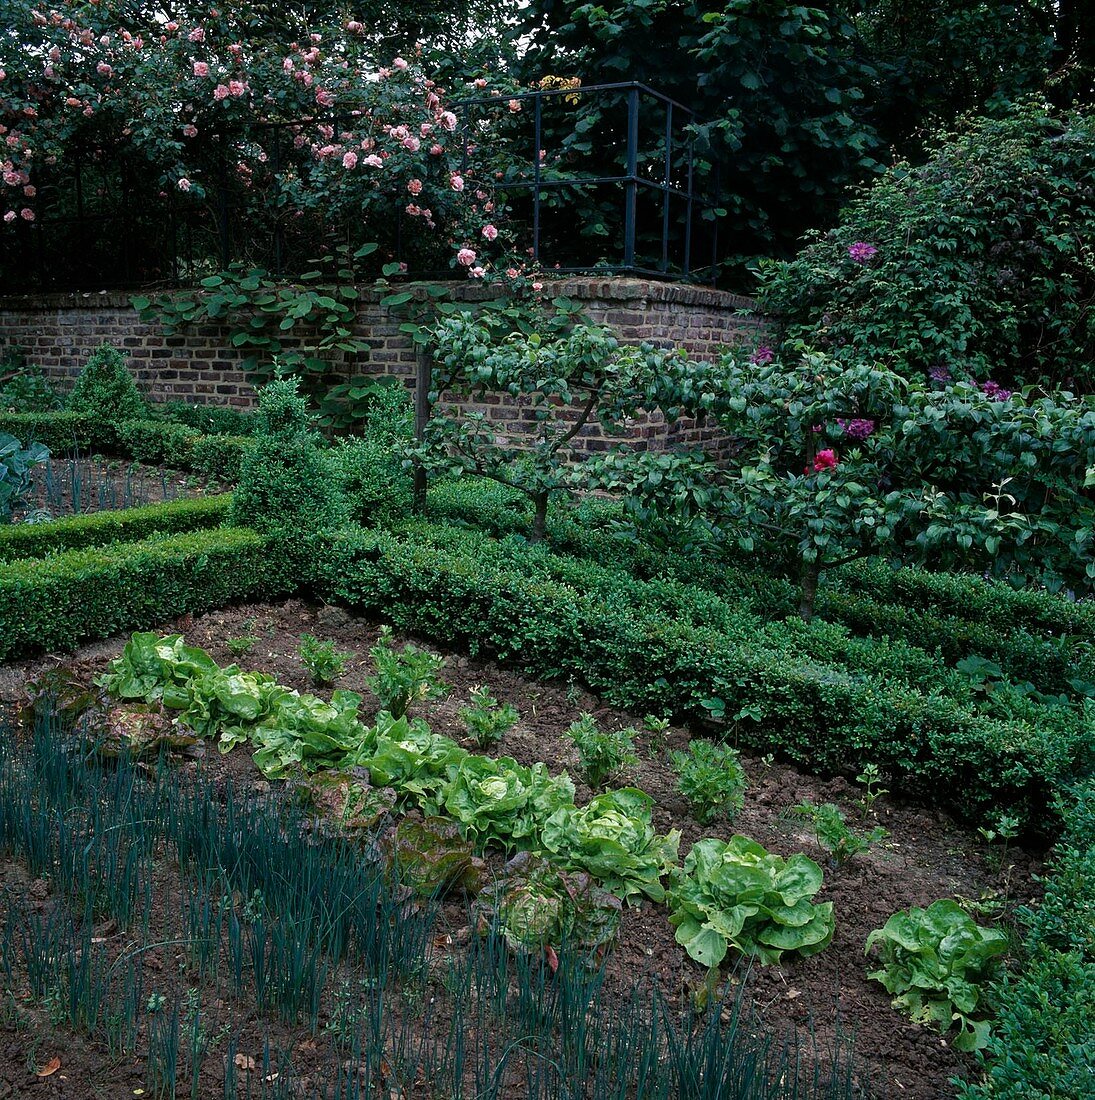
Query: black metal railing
{"points": [[662, 162], [606, 178]]}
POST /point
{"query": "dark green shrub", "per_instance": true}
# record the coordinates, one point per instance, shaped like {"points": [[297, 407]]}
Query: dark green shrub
{"points": [[208, 419], [106, 389], [980, 264], [60, 601], [100, 528], [27, 390], [667, 648], [371, 477], [286, 487]]}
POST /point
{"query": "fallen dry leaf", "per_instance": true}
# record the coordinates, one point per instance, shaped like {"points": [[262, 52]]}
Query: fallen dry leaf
{"points": [[244, 1061], [51, 1067]]}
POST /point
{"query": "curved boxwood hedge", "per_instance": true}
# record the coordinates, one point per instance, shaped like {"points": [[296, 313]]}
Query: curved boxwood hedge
{"points": [[35, 540]]}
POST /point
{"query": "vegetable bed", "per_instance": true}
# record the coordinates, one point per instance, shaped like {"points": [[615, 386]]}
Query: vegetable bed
{"points": [[814, 998]]}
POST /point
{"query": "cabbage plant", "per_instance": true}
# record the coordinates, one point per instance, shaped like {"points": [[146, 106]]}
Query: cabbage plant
{"points": [[936, 961], [738, 895], [612, 838]]}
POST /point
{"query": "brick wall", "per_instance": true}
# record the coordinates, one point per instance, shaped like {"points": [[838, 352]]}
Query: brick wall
{"points": [[57, 332]]}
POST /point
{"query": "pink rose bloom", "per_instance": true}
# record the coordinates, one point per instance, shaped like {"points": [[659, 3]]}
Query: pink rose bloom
{"points": [[383, 74], [12, 179], [55, 54], [3, 75], [72, 101], [201, 68], [197, 35], [488, 207], [287, 65], [425, 129], [236, 50], [171, 27], [350, 160], [537, 287], [30, 190], [477, 272], [373, 161], [237, 88], [457, 182], [825, 460], [448, 121], [413, 210], [490, 232], [432, 100], [514, 106], [412, 143], [220, 92], [324, 97], [415, 187], [88, 111], [103, 69], [354, 27], [189, 130], [480, 82], [436, 150], [400, 64], [26, 214], [184, 184], [466, 257], [9, 216], [512, 272], [398, 133], [47, 72]]}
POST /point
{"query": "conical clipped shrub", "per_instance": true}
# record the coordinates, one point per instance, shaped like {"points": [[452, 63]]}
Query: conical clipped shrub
{"points": [[286, 488], [106, 389]]}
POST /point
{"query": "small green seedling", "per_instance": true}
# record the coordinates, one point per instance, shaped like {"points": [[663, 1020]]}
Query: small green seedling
{"points": [[404, 677], [656, 727], [871, 779], [240, 647], [833, 833], [487, 720], [323, 663], [711, 777], [603, 753]]}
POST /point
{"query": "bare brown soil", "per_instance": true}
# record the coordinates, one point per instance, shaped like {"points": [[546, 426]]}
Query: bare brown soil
{"points": [[815, 1000]]}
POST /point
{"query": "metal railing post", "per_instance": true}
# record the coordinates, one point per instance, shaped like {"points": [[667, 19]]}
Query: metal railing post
{"points": [[665, 184], [537, 135], [631, 192]]}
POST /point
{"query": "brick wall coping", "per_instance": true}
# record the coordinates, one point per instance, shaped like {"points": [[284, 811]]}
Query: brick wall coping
{"points": [[635, 292]]}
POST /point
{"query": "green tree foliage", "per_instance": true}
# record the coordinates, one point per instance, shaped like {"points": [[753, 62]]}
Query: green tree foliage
{"points": [[979, 261], [106, 389], [286, 488]]}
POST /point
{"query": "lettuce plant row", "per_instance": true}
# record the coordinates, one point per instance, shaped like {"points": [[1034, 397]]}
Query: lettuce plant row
{"points": [[757, 903]]}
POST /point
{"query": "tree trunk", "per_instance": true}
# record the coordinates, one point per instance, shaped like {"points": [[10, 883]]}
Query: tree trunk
{"points": [[539, 519], [811, 571]]}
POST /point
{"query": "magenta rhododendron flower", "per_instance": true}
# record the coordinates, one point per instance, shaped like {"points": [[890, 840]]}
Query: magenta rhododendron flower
{"points": [[861, 252], [762, 355], [857, 429], [825, 460], [995, 391]]}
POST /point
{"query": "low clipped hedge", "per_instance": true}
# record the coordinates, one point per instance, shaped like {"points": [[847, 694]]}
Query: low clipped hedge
{"points": [[125, 525], [1043, 1040], [58, 602], [1028, 633], [669, 648], [158, 442]]}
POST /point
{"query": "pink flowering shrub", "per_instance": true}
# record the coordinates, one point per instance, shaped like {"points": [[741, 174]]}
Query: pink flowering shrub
{"points": [[318, 132]]}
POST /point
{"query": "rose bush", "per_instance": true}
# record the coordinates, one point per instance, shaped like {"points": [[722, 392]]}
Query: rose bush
{"points": [[301, 139]]}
